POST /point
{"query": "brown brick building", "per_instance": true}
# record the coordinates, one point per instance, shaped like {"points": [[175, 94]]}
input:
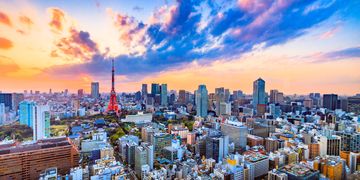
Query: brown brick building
{"points": [[28, 161]]}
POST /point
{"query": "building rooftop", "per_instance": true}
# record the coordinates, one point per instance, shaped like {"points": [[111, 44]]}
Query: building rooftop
{"points": [[297, 170], [35, 145], [254, 157]]}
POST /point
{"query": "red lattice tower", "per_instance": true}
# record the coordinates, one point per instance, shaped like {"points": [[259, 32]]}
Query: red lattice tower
{"points": [[113, 105]]}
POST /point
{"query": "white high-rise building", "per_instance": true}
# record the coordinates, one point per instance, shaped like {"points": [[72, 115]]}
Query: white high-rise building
{"points": [[41, 124]]}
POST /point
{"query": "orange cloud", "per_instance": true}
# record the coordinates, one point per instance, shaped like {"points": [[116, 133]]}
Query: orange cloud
{"points": [[57, 19], [5, 43], [7, 66], [4, 19], [26, 20]]}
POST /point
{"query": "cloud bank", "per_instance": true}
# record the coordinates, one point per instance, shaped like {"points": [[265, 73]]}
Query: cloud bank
{"points": [[192, 30]]}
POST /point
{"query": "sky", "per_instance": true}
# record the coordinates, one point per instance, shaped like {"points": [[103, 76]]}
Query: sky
{"points": [[296, 46]]}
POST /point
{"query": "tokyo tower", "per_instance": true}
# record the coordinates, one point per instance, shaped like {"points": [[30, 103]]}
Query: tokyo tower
{"points": [[113, 106]]}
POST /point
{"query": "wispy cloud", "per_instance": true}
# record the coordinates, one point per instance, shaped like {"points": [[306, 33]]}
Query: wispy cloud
{"points": [[342, 54], [330, 33]]}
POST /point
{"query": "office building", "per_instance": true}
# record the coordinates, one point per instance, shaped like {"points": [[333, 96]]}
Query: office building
{"points": [[182, 97], [272, 144], [27, 113], [237, 133], [277, 175], [143, 156], [217, 147], [237, 95], [225, 108], [331, 167], [164, 97], [219, 98], [2, 113], [314, 150], [95, 90], [41, 122], [155, 89], [6, 98], [259, 92], [330, 145], [299, 172], [330, 101], [275, 110], [28, 161], [159, 141], [201, 101], [353, 104], [144, 91], [349, 141], [259, 162], [16, 99], [80, 93]]}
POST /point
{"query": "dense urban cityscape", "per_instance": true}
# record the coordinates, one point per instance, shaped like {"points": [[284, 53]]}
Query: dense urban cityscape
{"points": [[160, 134], [180, 90]]}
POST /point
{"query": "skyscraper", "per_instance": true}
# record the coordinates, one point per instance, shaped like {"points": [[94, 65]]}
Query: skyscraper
{"points": [[155, 89], [273, 94], [217, 147], [182, 97], [164, 100], [26, 114], [6, 98], [144, 91], [80, 93], [16, 99], [330, 101], [95, 90], [259, 92], [2, 113], [159, 141], [41, 122], [220, 98], [201, 101]]}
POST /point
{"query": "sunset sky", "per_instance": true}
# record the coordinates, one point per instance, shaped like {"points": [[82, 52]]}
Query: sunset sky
{"points": [[296, 46]]}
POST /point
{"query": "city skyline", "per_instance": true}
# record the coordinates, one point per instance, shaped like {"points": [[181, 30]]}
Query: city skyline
{"points": [[224, 45]]}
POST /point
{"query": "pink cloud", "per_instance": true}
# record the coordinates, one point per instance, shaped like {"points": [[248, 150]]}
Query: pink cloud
{"points": [[330, 33], [4, 19], [78, 45]]}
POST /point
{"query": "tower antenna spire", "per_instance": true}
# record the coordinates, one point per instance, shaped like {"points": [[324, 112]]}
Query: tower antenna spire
{"points": [[113, 106]]}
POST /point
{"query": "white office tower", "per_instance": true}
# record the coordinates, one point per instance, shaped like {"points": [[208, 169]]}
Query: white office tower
{"points": [[41, 124]]}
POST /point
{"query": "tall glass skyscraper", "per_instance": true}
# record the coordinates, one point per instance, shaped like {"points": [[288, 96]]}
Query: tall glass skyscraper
{"points": [[26, 110], [155, 89], [164, 100], [259, 92], [201, 100], [95, 93]]}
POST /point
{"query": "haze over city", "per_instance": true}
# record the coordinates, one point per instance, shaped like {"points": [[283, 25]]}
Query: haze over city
{"points": [[180, 90], [296, 46]]}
